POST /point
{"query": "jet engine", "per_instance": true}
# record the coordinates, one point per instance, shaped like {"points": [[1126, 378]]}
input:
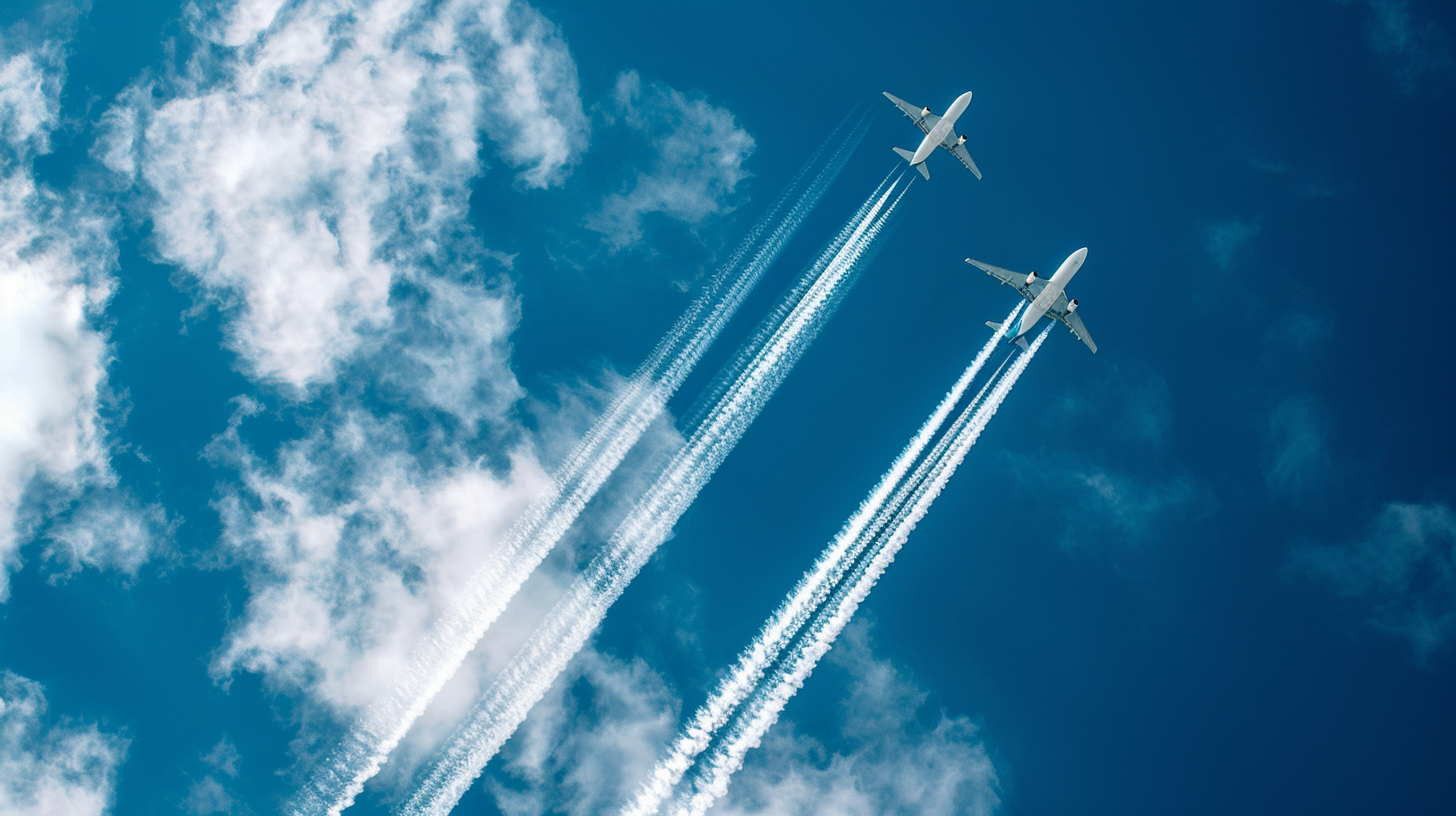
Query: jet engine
{"points": [[925, 111], [961, 140], [1071, 305], [1031, 277]]}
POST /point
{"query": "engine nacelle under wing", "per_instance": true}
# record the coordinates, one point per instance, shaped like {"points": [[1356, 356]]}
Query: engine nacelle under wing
{"points": [[1071, 305]]}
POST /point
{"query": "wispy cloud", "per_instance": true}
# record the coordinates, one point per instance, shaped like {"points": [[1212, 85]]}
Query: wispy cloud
{"points": [[56, 258], [699, 154], [1415, 51], [213, 793], [1402, 570], [325, 158], [588, 744], [352, 545], [883, 760], [1224, 239], [1296, 458], [51, 766]]}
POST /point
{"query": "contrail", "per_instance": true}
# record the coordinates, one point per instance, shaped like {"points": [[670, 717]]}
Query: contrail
{"points": [[807, 596], [752, 723], [341, 777], [535, 667]]}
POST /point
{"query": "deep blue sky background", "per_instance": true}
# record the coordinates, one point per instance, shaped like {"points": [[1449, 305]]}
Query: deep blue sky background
{"points": [[1153, 648]]}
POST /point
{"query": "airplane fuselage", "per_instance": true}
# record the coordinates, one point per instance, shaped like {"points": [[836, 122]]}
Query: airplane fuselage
{"points": [[1038, 307], [944, 127]]}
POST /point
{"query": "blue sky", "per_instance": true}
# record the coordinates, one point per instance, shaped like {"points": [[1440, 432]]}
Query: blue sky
{"points": [[304, 302]]}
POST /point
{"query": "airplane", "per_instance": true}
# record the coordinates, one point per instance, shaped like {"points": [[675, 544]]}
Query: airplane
{"points": [[1046, 296], [939, 131]]}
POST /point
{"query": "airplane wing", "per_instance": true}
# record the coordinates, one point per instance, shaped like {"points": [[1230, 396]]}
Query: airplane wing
{"points": [[960, 152], [1074, 322], [1015, 279], [925, 123]]}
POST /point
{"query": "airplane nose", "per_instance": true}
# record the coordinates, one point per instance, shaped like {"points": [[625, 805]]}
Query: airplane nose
{"points": [[1081, 254]]}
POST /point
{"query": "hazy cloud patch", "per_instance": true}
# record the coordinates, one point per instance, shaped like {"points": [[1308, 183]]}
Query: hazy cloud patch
{"points": [[1402, 571], [52, 766], [1296, 458], [699, 152], [885, 761], [1224, 239], [1414, 50]]}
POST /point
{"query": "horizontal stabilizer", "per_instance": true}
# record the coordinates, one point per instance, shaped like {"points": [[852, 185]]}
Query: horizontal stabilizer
{"points": [[924, 171], [1021, 341], [905, 154], [994, 326]]}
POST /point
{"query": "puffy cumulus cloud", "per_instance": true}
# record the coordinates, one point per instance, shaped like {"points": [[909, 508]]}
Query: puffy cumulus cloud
{"points": [[51, 767], [1403, 570], [1224, 239], [889, 763], [586, 747], [699, 152], [351, 545], [56, 257], [320, 155]]}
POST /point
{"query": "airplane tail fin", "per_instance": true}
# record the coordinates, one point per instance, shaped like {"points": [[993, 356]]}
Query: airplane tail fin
{"points": [[910, 157]]}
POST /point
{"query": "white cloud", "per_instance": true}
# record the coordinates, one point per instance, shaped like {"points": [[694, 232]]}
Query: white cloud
{"points": [[213, 793], [1223, 239], [1413, 51], [699, 150], [50, 767], [586, 747], [352, 545], [891, 762], [302, 177], [56, 256], [1403, 570]]}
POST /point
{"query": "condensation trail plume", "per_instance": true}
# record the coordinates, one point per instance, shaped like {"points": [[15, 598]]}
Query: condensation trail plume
{"points": [[788, 676], [341, 777], [566, 628], [810, 592]]}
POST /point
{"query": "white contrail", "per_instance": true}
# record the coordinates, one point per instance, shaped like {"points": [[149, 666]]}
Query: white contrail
{"points": [[566, 628], [810, 592], [435, 659], [762, 711]]}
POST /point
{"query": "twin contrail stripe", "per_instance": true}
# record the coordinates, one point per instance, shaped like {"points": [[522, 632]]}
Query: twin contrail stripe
{"points": [[788, 675], [530, 673], [810, 592], [384, 723]]}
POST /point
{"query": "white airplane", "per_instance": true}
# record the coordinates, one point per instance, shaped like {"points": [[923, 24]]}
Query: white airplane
{"points": [[939, 132], [1047, 298]]}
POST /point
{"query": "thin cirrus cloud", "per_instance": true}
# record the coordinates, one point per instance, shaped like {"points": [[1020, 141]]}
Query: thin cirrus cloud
{"points": [[326, 155], [699, 153], [1415, 51], [57, 256], [1401, 571], [51, 766]]}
